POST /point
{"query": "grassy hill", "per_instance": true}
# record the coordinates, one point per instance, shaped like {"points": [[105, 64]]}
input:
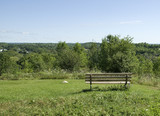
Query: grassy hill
{"points": [[52, 97]]}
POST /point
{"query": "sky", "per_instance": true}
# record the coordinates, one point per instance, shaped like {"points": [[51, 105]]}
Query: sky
{"points": [[52, 21]]}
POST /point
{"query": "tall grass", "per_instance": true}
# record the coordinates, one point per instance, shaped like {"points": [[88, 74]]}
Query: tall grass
{"points": [[54, 74], [150, 80], [146, 79]]}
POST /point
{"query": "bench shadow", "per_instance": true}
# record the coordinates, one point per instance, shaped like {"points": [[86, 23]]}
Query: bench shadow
{"points": [[104, 89]]}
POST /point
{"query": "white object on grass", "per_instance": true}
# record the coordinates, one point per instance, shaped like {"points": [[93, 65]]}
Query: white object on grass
{"points": [[65, 81]]}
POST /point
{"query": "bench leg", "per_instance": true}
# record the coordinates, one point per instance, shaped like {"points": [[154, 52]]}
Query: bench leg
{"points": [[91, 82], [125, 85], [90, 86]]}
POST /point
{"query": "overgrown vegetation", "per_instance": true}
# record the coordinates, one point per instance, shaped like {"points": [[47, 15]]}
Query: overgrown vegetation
{"points": [[114, 54]]}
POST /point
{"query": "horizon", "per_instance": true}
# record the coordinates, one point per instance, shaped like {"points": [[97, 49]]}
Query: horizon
{"points": [[82, 21], [66, 43]]}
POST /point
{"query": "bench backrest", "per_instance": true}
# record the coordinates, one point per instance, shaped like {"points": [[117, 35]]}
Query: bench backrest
{"points": [[108, 78]]}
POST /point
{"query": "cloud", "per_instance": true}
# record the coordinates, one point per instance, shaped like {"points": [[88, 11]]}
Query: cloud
{"points": [[26, 33], [15, 32], [4, 31], [131, 22]]}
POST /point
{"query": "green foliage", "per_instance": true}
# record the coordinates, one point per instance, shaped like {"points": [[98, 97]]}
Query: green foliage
{"points": [[71, 59], [32, 63], [68, 60], [54, 74], [117, 55], [80, 51], [157, 66], [147, 80], [112, 55], [7, 65], [49, 60], [61, 46], [93, 56], [78, 48], [149, 51], [4, 63], [145, 66]]}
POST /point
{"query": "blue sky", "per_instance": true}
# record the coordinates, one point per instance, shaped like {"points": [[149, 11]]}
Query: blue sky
{"points": [[51, 21]]}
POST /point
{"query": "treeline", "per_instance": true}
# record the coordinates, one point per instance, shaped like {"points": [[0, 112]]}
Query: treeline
{"points": [[114, 54]]}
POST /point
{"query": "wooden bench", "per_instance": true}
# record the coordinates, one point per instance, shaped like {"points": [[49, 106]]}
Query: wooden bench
{"points": [[108, 78]]}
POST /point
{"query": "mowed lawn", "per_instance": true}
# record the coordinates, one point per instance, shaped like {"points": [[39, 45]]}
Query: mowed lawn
{"points": [[38, 89], [52, 97]]}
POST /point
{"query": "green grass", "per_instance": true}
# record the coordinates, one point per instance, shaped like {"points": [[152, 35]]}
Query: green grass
{"points": [[52, 97], [38, 89], [54, 74]]}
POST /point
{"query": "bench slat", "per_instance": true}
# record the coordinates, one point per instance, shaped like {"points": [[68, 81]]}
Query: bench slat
{"points": [[109, 74], [110, 82], [108, 77]]}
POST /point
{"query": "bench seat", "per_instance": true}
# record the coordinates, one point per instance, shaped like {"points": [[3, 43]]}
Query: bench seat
{"points": [[108, 78]]}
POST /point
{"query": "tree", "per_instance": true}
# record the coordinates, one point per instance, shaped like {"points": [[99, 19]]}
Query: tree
{"points": [[156, 66], [78, 48], [80, 51], [61, 46], [118, 55], [49, 60], [32, 63], [6, 64], [68, 60], [93, 56], [145, 66]]}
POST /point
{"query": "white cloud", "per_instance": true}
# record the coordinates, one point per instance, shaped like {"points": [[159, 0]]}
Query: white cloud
{"points": [[26, 33], [4, 31], [131, 22], [15, 32]]}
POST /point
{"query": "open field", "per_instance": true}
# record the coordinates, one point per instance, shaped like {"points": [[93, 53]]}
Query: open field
{"points": [[52, 97]]}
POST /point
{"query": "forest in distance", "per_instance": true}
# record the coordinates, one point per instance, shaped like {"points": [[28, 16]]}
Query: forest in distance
{"points": [[113, 54]]}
